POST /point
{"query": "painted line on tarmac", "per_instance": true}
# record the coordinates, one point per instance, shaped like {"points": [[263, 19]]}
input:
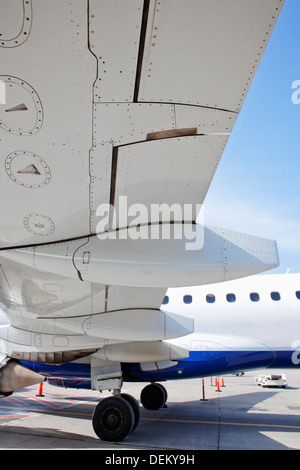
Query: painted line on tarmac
{"points": [[285, 426], [11, 419]]}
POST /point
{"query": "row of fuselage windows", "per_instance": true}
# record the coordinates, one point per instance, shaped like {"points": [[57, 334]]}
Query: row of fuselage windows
{"points": [[211, 298]]}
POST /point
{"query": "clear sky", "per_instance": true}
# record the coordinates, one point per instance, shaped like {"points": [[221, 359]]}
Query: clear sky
{"points": [[256, 188]]}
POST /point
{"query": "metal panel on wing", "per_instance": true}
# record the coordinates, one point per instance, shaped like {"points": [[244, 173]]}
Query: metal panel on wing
{"points": [[204, 52], [151, 174]]}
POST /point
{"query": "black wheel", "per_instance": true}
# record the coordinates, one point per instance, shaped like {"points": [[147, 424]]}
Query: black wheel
{"points": [[135, 407], [153, 397], [113, 419], [165, 392]]}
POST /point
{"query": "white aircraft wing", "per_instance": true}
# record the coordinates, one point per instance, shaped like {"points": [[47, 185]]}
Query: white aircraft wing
{"points": [[110, 98], [106, 100]]}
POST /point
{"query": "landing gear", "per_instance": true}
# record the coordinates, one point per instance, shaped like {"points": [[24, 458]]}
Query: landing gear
{"points": [[154, 396], [116, 417]]}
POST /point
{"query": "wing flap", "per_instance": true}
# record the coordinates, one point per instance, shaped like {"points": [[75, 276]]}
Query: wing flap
{"points": [[150, 176]]}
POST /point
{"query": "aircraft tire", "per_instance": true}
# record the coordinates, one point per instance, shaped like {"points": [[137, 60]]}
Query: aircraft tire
{"points": [[135, 407], [165, 392], [113, 419], [153, 396]]}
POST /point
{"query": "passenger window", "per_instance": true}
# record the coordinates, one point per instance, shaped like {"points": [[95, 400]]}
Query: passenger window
{"points": [[275, 296], [254, 296], [166, 300], [210, 298], [230, 297], [298, 294], [187, 299]]}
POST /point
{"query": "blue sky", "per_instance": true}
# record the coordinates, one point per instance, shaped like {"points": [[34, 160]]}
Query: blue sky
{"points": [[256, 187]]}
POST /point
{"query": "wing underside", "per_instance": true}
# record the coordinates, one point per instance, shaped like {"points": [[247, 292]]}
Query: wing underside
{"points": [[106, 100], [110, 98]]}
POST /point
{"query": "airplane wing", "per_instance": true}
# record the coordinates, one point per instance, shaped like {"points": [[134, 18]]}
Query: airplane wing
{"points": [[112, 98], [112, 105]]}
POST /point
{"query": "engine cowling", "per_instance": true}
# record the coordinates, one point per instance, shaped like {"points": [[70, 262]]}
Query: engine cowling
{"points": [[13, 377]]}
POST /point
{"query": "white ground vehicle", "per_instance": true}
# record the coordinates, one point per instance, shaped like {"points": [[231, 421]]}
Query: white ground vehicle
{"points": [[274, 380]]}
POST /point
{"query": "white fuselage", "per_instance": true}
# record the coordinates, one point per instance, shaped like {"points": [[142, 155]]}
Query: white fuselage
{"points": [[233, 312]]}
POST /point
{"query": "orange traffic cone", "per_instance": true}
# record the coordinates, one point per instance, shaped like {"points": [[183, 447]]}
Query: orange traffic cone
{"points": [[223, 385], [40, 394], [218, 386]]}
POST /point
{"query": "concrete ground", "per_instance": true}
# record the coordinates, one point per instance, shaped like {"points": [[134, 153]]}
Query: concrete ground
{"points": [[242, 416]]}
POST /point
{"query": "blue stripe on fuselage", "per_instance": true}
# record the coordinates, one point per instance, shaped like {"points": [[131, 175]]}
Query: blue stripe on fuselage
{"points": [[198, 364]]}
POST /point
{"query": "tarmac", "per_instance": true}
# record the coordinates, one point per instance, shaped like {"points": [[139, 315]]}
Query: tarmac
{"points": [[241, 416]]}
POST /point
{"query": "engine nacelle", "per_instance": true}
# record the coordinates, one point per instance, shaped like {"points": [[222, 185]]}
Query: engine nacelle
{"points": [[13, 377]]}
